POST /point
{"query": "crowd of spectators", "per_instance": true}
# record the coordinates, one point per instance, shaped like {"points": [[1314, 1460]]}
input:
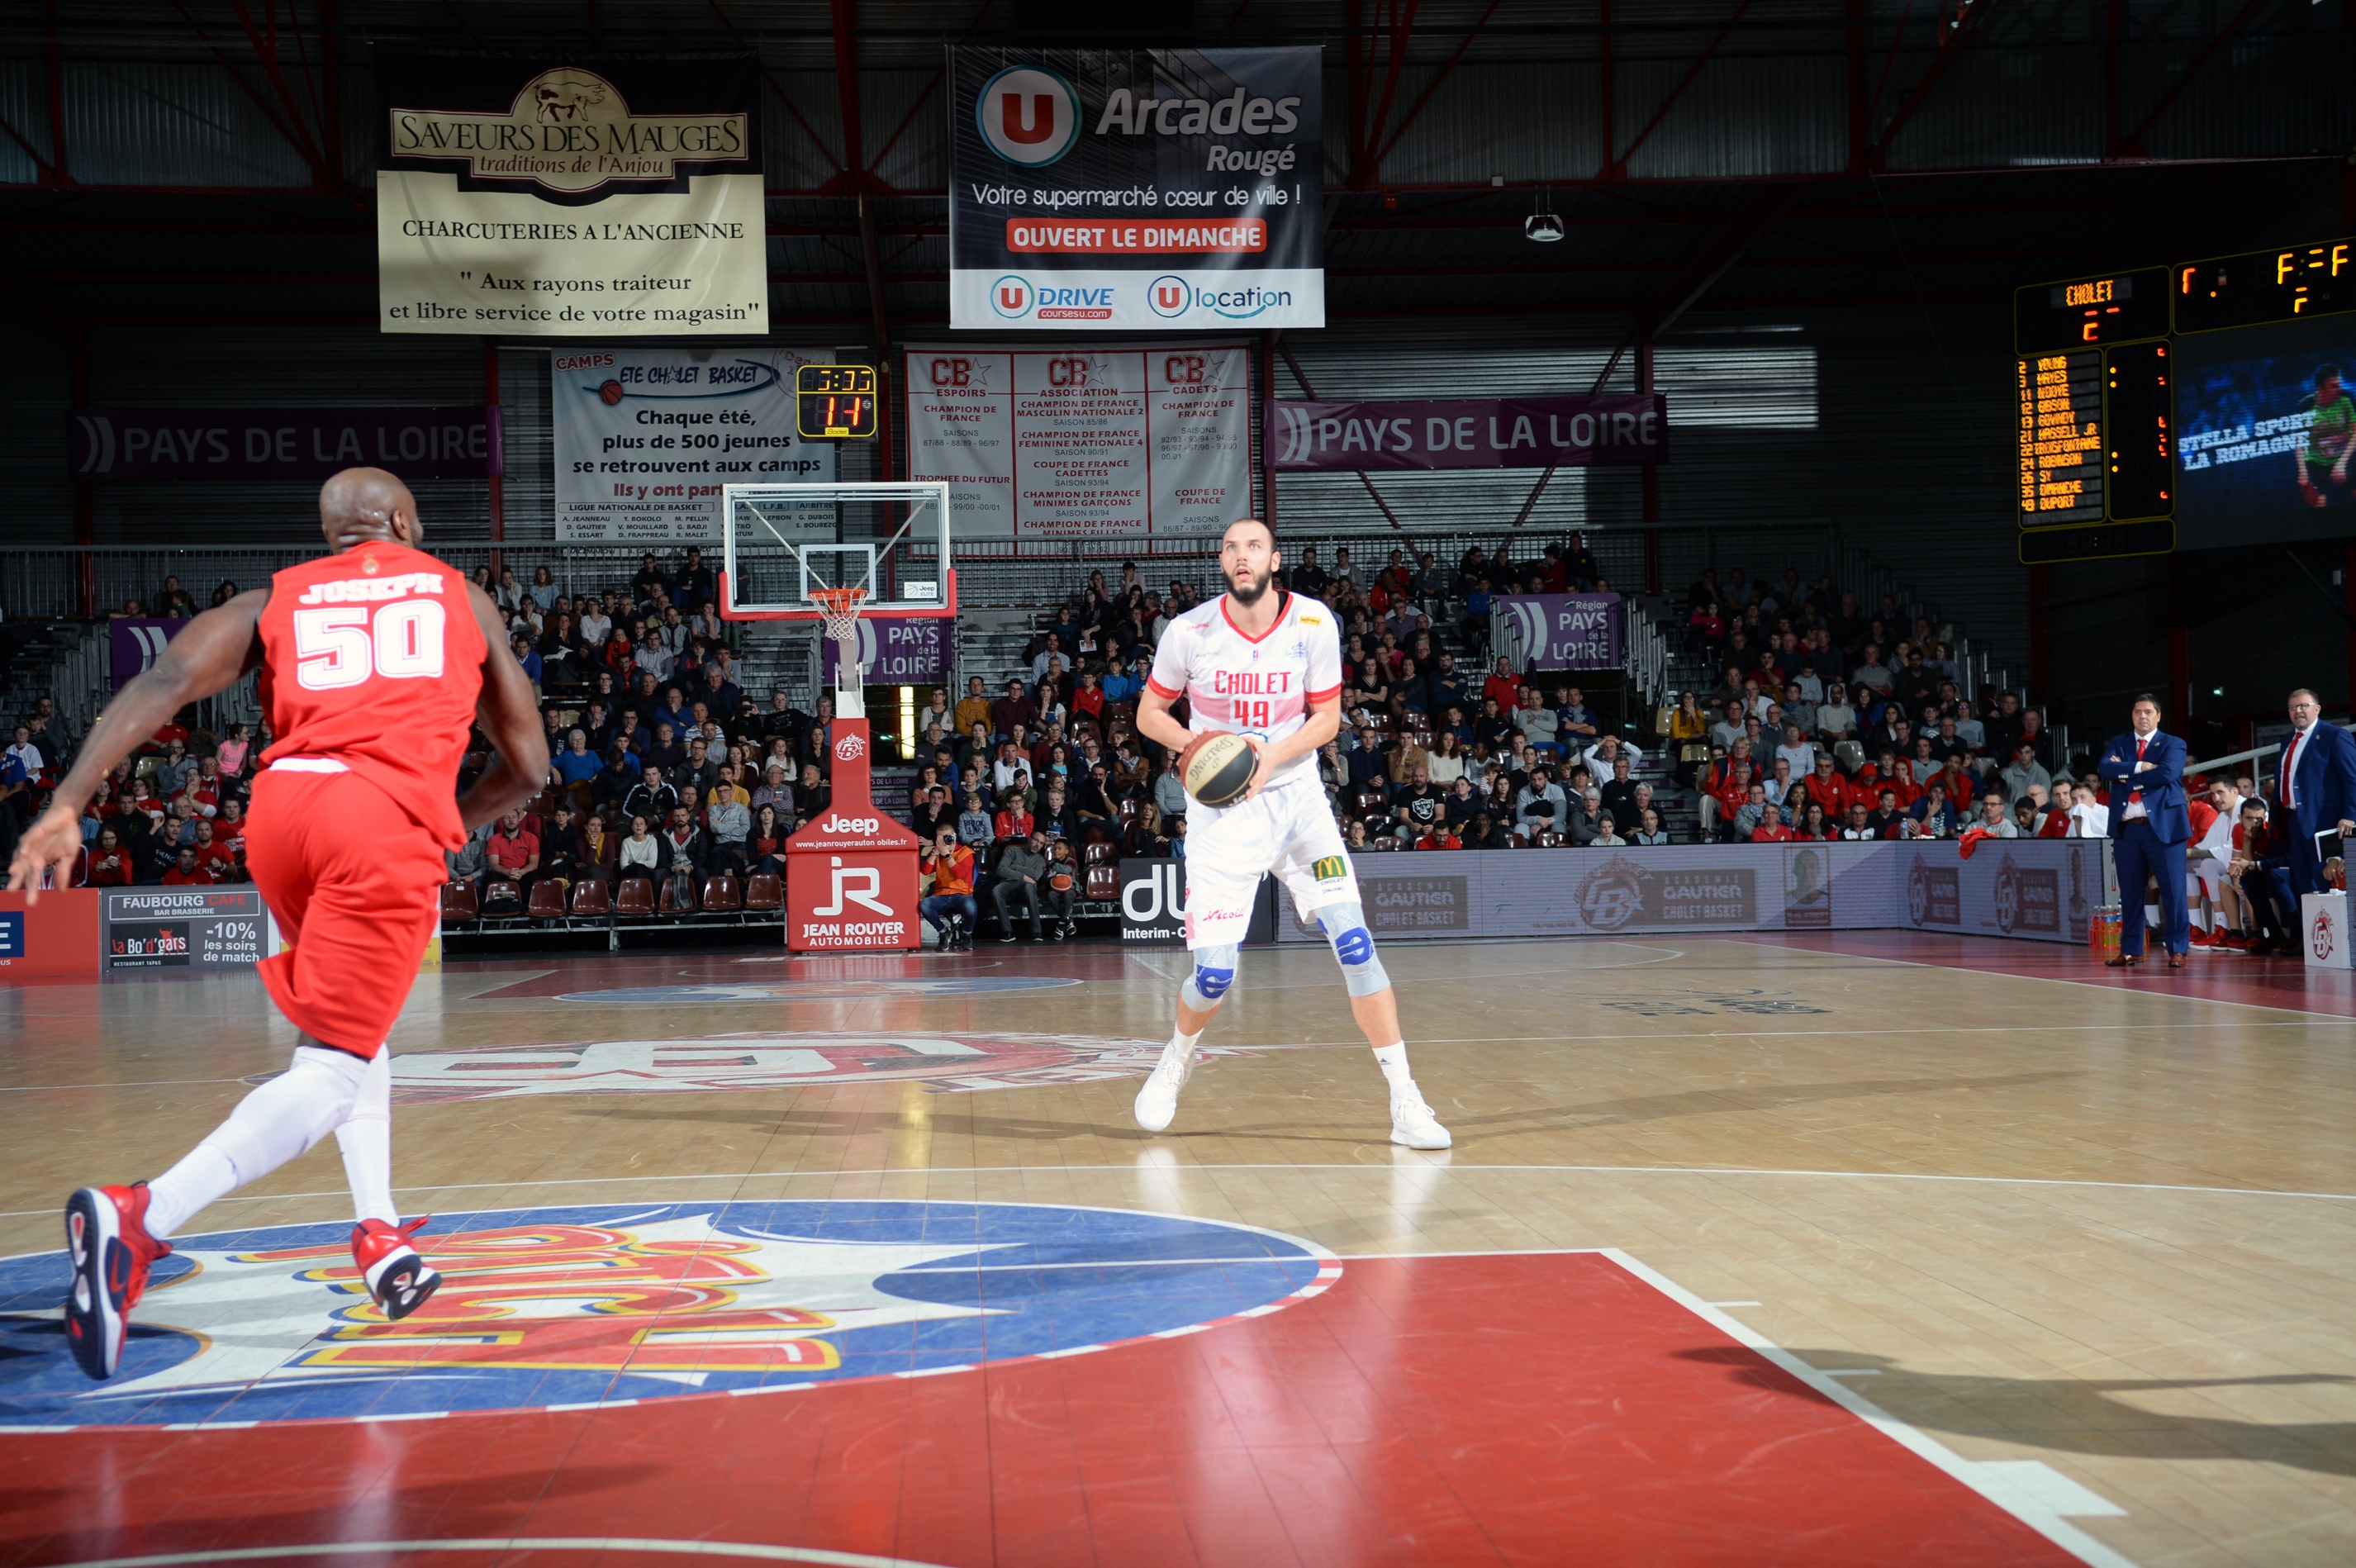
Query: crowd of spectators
{"points": [[1828, 722]]}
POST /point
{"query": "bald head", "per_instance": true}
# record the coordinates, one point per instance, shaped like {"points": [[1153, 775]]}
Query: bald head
{"points": [[361, 505]]}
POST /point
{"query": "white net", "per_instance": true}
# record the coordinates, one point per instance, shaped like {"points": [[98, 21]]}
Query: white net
{"points": [[838, 610]]}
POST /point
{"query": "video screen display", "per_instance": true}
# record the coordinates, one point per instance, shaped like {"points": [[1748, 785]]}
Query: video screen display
{"points": [[2265, 431]]}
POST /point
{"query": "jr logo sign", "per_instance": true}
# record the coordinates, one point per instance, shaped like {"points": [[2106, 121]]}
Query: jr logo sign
{"points": [[855, 885]]}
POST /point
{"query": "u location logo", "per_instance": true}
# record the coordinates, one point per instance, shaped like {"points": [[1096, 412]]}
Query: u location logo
{"points": [[1028, 116], [1169, 295]]}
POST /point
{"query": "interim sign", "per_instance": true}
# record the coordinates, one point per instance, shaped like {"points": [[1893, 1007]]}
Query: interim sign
{"points": [[1470, 433]]}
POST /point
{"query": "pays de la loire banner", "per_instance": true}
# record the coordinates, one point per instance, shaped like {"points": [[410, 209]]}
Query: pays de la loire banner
{"points": [[569, 196], [1558, 631], [1169, 190], [645, 439], [1039, 443], [154, 444], [1469, 433]]}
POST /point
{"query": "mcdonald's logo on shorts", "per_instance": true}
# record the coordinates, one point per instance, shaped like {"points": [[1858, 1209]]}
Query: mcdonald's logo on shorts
{"points": [[1330, 868]]}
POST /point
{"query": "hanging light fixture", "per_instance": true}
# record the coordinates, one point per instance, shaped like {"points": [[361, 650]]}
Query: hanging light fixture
{"points": [[1543, 226]]}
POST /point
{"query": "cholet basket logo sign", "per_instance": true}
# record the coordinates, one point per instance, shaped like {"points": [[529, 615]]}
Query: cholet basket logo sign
{"points": [[614, 1304]]}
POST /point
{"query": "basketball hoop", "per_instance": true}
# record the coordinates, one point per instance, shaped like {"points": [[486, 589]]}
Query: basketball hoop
{"points": [[837, 609]]}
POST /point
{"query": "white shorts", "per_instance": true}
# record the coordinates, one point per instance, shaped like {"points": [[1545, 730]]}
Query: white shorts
{"points": [[1288, 830]]}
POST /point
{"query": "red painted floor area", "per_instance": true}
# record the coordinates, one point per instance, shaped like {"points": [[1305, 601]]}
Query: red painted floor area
{"points": [[1529, 1409], [2286, 982]]}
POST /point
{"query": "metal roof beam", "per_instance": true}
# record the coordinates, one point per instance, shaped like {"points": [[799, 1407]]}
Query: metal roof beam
{"points": [[1366, 163], [265, 50], [1959, 36], [1620, 161], [2131, 145], [1433, 86], [775, 86], [294, 135]]}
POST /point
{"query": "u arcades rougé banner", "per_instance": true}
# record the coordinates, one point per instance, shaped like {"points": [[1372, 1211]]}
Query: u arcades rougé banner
{"points": [[569, 196], [1157, 189]]}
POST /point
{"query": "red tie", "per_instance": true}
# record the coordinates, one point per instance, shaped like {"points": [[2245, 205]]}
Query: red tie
{"points": [[2139, 745], [2290, 756]]}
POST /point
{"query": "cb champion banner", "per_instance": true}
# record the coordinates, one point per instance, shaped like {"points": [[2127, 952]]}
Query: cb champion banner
{"points": [[1136, 188], [567, 196]]}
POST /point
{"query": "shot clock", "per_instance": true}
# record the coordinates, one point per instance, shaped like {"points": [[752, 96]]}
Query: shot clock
{"points": [[835, 402]]}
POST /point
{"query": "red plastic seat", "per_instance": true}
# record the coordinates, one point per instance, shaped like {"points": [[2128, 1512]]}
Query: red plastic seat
{"points": [[633, 899], [458, 905], [1104, 882], [765, 892], [722, 894], [547, 901], [591, 899]]}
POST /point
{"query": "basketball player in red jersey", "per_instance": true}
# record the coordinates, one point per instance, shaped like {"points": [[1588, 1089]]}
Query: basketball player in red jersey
{"points": [[375, 660]]}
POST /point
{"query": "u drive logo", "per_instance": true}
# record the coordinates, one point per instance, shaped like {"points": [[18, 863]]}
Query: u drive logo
{"points": [[855, 885]]}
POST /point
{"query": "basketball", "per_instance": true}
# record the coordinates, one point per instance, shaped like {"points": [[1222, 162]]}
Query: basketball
{"points": [[1216, 768]]}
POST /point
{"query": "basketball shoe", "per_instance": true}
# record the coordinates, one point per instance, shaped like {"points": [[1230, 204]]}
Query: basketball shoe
{"points": [[398, 1280], [110, 1251], [1413, 1123], [1157, 1103]]}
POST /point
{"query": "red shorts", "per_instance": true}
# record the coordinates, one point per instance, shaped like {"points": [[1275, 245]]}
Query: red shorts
{"points": [[355, 886]]}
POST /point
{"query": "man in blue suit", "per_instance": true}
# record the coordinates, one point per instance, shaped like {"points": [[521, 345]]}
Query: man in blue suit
{"points": [[2316, 780], [2144, 770]]}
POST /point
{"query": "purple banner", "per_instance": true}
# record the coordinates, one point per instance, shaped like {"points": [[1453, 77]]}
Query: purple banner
{"points": [[137, 643], [895, 650], [460, 442], [1470, 433], [1562, 631]]}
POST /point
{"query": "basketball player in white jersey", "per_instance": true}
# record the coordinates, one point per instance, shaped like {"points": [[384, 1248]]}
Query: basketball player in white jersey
{"points": [[1266, 664]]}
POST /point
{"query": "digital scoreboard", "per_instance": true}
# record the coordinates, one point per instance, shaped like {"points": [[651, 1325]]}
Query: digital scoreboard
{"points": [[2118, 307], [2061, 446], [835, 402], [2138, 433], [2260, 286]]}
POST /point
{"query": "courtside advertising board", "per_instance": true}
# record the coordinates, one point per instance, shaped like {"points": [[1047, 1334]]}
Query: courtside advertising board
{"points": [[1156, 189]]}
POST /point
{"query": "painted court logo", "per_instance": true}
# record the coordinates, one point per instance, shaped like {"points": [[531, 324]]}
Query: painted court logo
{"points": [[591, 1306], [760, 1059]]}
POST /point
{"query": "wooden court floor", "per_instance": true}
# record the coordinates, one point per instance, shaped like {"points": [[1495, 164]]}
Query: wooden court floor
{"points": [[1870, 1248]]}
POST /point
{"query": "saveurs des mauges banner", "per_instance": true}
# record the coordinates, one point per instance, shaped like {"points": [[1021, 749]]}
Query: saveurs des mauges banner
{"points": [[569, 196], [1136, 188]]}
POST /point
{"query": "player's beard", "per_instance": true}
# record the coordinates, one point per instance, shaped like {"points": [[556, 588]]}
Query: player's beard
{"points": [[1248, 591]]}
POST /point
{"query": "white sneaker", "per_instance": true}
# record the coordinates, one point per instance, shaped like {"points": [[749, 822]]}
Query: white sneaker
{"points": [[1413, 1123], [1157, 1102]]}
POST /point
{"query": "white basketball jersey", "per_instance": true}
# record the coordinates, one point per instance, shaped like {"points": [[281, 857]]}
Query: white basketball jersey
{"points": [[1256, 686]]}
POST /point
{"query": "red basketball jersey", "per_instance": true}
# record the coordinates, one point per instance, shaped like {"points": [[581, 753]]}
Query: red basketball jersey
{"points": [[373, 659]]}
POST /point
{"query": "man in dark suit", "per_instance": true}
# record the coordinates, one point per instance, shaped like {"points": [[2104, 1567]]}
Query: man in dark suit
{"points": [[2144, 770], [2315, 778]]}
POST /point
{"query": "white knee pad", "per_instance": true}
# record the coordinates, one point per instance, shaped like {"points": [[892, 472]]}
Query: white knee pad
{"points": [[283, 1119], [1353, 945], [1215, 974]]}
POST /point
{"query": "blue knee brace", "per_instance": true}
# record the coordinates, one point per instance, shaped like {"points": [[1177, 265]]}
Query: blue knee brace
{"points": [[1346, 927], [1214, 971]]}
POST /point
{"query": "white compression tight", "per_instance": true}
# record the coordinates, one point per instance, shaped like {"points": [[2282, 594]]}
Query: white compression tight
{"points": [[323, 1091]]}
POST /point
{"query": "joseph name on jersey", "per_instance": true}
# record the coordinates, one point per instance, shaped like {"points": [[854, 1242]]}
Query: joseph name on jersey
{"points": [[1260, 686]]}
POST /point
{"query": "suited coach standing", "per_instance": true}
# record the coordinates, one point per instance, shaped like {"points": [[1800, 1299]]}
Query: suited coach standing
{"points": [[2316, 780], [2145, 769]]}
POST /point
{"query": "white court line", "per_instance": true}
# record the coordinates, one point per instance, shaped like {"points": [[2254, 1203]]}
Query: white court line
{"points": [[1384, 1171], [2088, 984], [1799, 1027], [2017, 1494], [581, 1544]]}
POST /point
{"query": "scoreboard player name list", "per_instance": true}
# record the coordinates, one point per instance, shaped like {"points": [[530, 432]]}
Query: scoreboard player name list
{"points": [[2060, 438]]}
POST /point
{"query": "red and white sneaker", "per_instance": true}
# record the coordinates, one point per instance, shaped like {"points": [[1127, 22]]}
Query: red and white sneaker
{"points": [[398, 1280], [110, 1251], [2201, 938]]}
